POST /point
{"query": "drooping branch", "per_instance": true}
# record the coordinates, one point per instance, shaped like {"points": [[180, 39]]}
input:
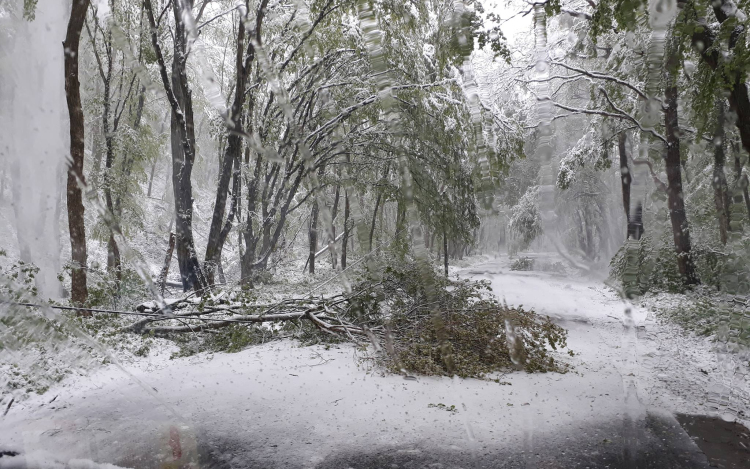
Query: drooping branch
{"points": [[602, 76], [620, 114]]}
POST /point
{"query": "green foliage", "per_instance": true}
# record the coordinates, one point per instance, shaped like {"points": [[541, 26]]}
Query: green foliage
{"points": [[718, 268], [589, 151], [104, 292], [658, 265], [37, 348], [616, 14], [709, 313], [452, 408], [17, 281], [552, 7], [29, 9], [438, 326], [231, 339], [526, 220]]}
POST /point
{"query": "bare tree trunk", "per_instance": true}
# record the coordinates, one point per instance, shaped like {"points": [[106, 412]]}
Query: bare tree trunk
{"points": [[345, 239], [334, 213], [445, 251], [168, 260], [721, 188], [374, 217], [182, 142], [677, 215], [79, 291], [113, 253], [96, 148], [626, 177], [313, 236], [232, 154]]}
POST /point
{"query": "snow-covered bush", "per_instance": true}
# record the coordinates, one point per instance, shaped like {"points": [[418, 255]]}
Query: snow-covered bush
{"points": [[38, 347], [718, 268], [525, 220]]}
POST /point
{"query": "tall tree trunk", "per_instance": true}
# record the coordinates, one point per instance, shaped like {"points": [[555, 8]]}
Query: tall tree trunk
{"points": [[334, 213], [445, 251], [113, 252], [345, 238], [313, 236], [232, 156], [625, 177], [79, 291], [167, 260], [234, 212], [249, 233], [96, 147], [182, 142], [218, 222], [675, 199], [374, 217], [721, 188]]}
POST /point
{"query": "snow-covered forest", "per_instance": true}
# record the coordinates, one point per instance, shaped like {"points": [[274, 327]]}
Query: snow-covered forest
{"points": [[374, 233]]}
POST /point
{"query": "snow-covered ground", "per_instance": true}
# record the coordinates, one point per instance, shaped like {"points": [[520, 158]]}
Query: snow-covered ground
{"points": [[282, 405]]}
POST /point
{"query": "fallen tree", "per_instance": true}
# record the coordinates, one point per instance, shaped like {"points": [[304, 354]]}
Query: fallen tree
{"points": [[319, 311], [422, 322]]}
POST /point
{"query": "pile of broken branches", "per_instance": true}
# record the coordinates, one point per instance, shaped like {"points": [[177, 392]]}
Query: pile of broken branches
{"points": [[193, 314], [427, 324]]}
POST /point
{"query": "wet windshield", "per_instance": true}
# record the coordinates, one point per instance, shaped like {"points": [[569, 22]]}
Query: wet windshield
{"points": [[374, 234]]}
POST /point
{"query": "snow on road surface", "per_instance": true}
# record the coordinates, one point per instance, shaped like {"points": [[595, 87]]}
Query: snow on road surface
{"points": [[282, 405]]}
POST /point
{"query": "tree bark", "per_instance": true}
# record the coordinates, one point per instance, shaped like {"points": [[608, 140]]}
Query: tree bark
{"points": [[182, 143], [345, 239], [626, 177], [79, 291], [676, 202], [721, 188], [232, 153], [334, 213], [445, 251], [374, 217], [313, 236], [113, 252], [168, 260]]}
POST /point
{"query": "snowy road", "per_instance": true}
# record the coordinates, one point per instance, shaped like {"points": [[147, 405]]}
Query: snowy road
{"points": [[280, 405]]}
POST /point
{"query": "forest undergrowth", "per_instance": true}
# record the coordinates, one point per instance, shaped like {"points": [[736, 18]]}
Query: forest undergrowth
{"points": [[405, 315]]}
